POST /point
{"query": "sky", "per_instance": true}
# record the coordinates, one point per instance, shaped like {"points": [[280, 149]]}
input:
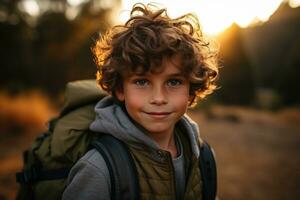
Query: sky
{"points": [[216, 15]]}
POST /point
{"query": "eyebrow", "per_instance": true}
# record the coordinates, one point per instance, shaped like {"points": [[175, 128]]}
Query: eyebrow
{"points": [[175, 74], [168, 75]]}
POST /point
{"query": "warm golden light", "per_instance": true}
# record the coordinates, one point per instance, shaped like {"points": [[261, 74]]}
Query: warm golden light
{"points": [[216, 15], [294, 3]]}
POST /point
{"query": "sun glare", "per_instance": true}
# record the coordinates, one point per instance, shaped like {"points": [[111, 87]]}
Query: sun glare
{"points": [[216, 15], [294, 3]]}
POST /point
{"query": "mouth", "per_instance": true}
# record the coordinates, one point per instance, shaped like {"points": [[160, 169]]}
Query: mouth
{"points": [[158, 115]]}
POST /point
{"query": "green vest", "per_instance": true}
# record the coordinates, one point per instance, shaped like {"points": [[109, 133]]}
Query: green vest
{"points": [[156, 173]]}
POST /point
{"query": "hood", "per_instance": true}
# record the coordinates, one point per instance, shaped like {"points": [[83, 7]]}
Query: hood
{"points": [[113, 120]]}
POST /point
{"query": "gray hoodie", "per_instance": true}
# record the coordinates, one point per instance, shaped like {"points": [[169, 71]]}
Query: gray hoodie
{"points": [[89, 177]]}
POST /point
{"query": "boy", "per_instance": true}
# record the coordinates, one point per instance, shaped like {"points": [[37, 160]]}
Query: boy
{"points": [[154, 67]]}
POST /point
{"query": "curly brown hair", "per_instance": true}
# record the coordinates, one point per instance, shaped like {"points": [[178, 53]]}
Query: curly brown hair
{"points": [[145, 39]]}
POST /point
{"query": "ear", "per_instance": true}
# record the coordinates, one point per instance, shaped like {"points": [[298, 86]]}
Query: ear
{"points": [[120, 95], [191, 99]]}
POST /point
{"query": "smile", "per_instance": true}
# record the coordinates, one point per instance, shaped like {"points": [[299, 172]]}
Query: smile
{"points": [[158, 115]]}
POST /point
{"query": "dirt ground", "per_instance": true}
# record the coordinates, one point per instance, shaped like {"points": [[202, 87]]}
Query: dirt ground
{"points": [[257, 153]]}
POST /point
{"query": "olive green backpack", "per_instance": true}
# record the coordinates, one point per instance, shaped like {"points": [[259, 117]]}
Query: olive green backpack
{"points": [[50, 157]]}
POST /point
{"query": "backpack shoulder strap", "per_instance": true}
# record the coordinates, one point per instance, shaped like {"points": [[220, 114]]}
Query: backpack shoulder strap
{"points": [[208, 171], [122, 170]]}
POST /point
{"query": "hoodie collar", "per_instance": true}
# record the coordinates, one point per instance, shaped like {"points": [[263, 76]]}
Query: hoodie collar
{"points": [[112, 119]]}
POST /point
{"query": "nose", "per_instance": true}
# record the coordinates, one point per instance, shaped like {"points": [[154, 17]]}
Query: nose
{"points": [[158, 96]]}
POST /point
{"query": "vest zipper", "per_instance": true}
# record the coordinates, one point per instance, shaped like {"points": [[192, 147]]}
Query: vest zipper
{"points": [[173, 175]]}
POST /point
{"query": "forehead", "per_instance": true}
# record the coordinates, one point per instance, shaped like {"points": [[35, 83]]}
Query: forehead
{"points": [[170, 64]]}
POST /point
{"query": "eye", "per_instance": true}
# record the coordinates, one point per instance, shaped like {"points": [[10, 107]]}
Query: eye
{"points": [[174, 82], [141, 82]]}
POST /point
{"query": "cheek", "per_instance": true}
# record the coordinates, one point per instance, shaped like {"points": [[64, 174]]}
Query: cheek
{"points": [[134, 101], [182, 93], [182, 102], [181, 99]]}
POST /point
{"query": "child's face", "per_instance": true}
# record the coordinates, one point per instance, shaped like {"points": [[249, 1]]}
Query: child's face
{"points": [[156, 101]]}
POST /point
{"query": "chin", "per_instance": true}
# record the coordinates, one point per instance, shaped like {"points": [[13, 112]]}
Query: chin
{"points": [[158, 130]]}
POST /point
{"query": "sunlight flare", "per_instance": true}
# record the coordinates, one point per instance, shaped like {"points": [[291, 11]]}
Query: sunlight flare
{"points": [[216, 15]]}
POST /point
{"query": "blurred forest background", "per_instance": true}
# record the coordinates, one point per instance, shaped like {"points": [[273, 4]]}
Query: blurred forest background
{"points": [[252, 121]]}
